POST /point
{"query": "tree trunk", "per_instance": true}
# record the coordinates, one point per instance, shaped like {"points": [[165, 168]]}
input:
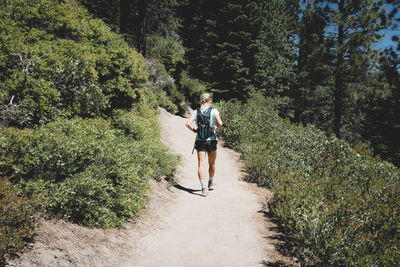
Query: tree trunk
{"points": [[123, 16], [141, 29], [339, 76]]}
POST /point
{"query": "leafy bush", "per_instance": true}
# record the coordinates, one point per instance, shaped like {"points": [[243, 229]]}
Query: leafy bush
{"points": [[168, 50], [340, 221], [240, 130], [163, 86], [145, 128], [17, 219], [93, 173], [191, 88], [57, 61], [338, 203], [61, 74]]}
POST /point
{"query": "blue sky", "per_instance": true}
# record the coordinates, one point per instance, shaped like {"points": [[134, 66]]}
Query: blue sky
{"points": [[386, 41]]}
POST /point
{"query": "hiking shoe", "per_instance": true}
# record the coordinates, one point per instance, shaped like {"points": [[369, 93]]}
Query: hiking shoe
{"points": [[204, 192], [211, 184]]}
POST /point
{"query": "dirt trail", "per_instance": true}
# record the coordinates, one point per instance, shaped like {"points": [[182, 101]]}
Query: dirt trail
{"points": [[179, 228], [227, 228]]}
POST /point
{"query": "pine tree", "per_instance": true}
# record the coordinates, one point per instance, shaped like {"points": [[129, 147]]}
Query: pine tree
{"points": [[383, 113], [215, 41], [314, 90], [353, 27], [274, 57], [238, 46], [138, 19]]}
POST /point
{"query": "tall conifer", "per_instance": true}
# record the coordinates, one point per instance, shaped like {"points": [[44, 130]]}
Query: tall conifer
{"points": [[275, 54], [353, 27], [239, 46], [314, 87]]}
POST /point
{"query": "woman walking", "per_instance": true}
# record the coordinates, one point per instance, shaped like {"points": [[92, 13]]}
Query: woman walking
{"points": [[208, 122]]}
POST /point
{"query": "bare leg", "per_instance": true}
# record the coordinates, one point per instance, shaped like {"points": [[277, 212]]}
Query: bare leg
{"points": [[211, 162], [201, 160]]}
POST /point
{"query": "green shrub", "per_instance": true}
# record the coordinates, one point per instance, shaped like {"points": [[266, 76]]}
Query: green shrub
{"points": [[168, 50], [244, 122], [339, 217], [339, 204], [94, 171], [17, 219], [57, 61], [191, 88], [163, 86], [145, 128], [61, 74]]}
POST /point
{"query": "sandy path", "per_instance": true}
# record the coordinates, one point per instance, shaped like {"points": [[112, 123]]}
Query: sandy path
{"points": [[223, 229], [179, 228]]}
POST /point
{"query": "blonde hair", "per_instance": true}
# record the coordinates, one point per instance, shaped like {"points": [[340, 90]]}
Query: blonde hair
{"points": [[205, 98]]}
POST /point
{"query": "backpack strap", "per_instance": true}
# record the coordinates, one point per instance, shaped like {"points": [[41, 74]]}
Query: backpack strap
{"points": [[198, 112], [208, 112]]}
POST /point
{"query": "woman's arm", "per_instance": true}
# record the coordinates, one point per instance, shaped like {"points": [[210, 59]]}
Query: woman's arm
{"points": [[189, 123], [219, 122]]}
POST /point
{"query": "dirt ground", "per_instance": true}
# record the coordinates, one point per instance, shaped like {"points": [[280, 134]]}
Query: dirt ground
{"points": [[229, 227]]}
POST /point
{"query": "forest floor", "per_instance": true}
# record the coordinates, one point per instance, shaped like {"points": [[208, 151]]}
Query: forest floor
{"points": [[229, 227]]}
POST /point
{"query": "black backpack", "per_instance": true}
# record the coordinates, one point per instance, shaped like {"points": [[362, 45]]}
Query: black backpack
{"points": [[204, 129]]}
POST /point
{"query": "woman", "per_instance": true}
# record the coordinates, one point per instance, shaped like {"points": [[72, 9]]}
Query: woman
{"points": [[207, 145]]}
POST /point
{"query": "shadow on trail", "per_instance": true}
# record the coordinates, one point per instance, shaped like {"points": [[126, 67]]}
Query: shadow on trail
{"points": [[275, 264], [189, 190]]}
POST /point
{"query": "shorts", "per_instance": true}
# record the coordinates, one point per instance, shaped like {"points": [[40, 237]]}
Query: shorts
{"points": [[209, 146]]}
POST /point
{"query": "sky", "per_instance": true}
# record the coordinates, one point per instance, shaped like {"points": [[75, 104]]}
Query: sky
{"points": [[386, 41]]}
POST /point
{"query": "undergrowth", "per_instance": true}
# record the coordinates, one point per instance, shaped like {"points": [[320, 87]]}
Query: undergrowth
{"points": [[94, 171], [18, 218], [78, 121], [340, 204]]}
